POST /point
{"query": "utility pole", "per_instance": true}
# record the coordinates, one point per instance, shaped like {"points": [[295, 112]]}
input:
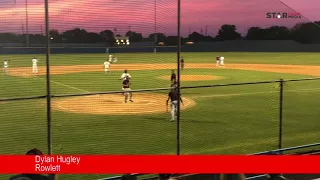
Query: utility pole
{"points": [[27, 24], [206, 30], [155, 26]]}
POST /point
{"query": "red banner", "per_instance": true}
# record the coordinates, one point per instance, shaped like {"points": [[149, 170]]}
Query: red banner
{"points": [[120, 164]]}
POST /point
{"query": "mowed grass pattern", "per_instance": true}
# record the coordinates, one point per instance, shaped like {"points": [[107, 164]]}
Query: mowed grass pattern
{"points": [[226, 120]]}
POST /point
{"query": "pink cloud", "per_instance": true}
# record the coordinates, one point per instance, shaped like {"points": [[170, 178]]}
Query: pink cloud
{"points": [[138, 15]]}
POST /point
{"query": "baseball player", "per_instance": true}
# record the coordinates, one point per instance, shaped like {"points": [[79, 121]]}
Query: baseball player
{"points": [[110, 58], [221, 62], [125, 75], [174, 97], [173, 78], [35, 65], [6, 67], [114, 59], [106, 65], [218, 61], [182, 63], [126, 88]]}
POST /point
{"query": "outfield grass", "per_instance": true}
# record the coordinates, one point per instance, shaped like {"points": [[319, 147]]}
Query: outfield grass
{"points": [[298, 58], [245, 121]]}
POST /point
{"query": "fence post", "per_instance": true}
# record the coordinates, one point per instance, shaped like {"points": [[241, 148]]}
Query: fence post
{"points": [[48, 77], [49, 140], [280, 113], [178, 83]]}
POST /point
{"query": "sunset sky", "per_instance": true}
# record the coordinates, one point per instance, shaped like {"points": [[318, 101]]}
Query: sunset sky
{"points": [[139, 15]]}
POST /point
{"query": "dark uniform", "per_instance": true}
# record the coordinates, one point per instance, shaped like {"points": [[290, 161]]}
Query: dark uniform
{"points": [[173, 78], [126, 87], [126, 84], [174, 98], [173, 95], [182, 63]]}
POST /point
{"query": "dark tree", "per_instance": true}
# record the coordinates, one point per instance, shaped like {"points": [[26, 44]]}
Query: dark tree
{"points": [[55, 36], [10, 38], [94, 38], [255, 33], [37, 39], [134, 37], [277, 33], [228, 32], [173, 40], [75, 36], [108, 36], [272, 33], [308, 33], [196, 37], [160, 37]]}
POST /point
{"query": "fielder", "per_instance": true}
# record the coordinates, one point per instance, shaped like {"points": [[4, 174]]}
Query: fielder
{"points": [[173, 78], [125, 75], [35, 65], [110, 58], [6, 67], [218, 61], [221, 62], [174, 97], [106, 65], [182, 63], [115, 59], [126, 88]]}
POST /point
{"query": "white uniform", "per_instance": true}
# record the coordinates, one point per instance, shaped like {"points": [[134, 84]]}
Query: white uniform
{"points": [[35, 66], [221, 61], [174, 106], [115, 59], [124, 75], [110, 58], [5, 67], [106, 66]]}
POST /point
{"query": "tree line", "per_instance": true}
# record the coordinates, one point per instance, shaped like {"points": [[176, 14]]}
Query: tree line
{"points": [[308, 33]]}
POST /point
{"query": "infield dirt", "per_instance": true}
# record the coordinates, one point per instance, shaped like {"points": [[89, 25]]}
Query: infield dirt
{"points": [[291, 69], [113, 104]]}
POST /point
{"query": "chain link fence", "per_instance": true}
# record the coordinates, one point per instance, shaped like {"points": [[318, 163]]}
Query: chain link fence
{"points": [[221, 112]]}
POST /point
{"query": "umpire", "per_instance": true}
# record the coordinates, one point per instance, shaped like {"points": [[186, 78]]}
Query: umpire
{"points": [[174, 97]]}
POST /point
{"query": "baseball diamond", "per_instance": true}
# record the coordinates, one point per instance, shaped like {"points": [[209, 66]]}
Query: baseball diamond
{"points": [[237, 119]]}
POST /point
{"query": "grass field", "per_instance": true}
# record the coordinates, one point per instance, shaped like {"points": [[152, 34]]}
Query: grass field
{"points": [[225, 120]]}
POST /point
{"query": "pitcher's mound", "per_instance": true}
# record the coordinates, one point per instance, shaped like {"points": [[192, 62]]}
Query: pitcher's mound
{"points": [[113, 104], [194, 77]]}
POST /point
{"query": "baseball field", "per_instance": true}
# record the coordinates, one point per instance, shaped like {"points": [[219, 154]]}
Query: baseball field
{"points": [[214, 120]]}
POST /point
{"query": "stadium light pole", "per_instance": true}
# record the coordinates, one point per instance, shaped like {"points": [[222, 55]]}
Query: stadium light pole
{"points": [[178, 83], [27, 24]]}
